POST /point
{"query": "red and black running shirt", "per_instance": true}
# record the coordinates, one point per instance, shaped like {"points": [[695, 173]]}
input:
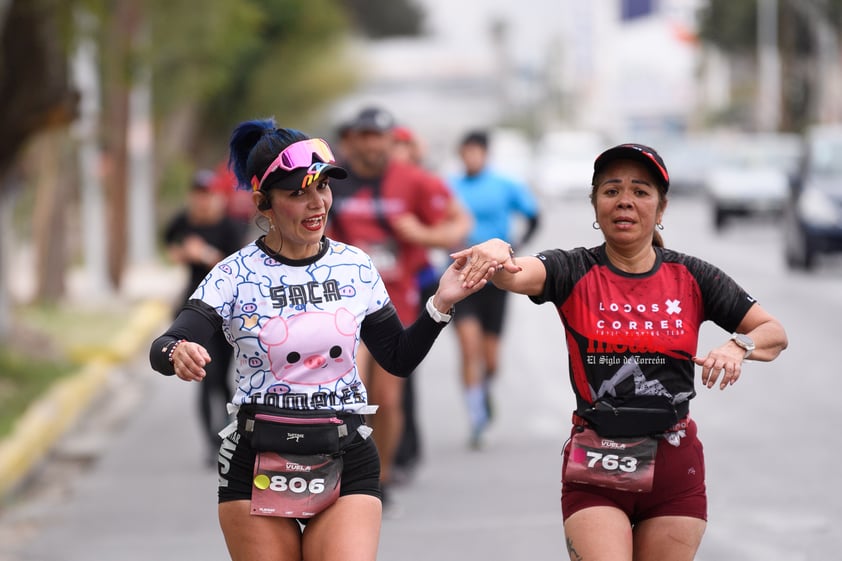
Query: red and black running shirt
{"points": [[362, 215], [635, 334]]}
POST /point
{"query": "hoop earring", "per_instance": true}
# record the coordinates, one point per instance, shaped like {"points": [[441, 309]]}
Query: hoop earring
{"points": [[595, 225], [659, 226]]}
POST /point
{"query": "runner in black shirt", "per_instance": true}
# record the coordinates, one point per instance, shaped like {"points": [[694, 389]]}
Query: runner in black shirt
{"points": [[198, 237]]}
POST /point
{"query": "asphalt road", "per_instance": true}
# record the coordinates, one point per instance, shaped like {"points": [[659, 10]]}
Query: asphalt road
{"points": [[130, 484]]}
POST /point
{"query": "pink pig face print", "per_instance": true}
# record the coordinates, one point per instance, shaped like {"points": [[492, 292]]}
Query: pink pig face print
{"points": [[311, 348]]}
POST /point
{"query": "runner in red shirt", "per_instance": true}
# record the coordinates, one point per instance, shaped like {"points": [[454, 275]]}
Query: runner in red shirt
{"points": [[394, 211]]}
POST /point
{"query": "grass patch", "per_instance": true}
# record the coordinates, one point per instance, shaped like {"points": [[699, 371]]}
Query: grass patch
{"points": [[23, 379], [70, 328], [48, 343]]}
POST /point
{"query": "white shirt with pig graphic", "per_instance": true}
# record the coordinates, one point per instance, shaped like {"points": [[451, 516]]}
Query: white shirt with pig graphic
{"points": [[295, 325]]}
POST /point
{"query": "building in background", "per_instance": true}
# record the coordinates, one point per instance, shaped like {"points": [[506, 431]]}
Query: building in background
{"points": [[631, 66], [613, 66]]}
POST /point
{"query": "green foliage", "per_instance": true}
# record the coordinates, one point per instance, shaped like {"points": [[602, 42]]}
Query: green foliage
{"points": [[730, 25], [227, 60], [230, 60], [196, 49], [297, 66]]}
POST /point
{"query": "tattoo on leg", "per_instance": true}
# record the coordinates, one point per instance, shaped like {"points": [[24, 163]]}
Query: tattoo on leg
{"points": [[574, 555]]}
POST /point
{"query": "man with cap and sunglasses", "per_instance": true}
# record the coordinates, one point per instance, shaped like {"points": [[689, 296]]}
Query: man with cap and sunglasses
{"points": [[298, 473], [633, 484], [395, 211]]}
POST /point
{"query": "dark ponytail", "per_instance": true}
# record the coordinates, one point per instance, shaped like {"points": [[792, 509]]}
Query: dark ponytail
{"points": [[254, 145], [657, 240]]}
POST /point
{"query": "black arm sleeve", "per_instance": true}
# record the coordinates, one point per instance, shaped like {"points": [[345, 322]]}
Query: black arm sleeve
{"points": [[196, 322], [531, 228], [397, 349]]}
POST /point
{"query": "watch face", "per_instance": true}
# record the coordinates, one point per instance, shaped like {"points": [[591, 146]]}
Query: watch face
{"points": [[744, 341]]}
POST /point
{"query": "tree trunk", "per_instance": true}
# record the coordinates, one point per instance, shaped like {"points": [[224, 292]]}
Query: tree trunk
{"points": [[115, 181], [6, 248], [52, 164], [117, 56], [35, 92]]}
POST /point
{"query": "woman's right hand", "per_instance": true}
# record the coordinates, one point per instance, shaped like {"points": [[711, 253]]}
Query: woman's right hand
{"points": [[189, 360], [487, 257]]}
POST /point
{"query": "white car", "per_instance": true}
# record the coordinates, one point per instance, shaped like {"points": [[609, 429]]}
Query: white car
{"points": [[511, 153], [688, 158], [753, 177]]}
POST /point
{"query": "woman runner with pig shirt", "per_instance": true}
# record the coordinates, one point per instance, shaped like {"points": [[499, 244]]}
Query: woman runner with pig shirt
{"points": [[298, 475]]}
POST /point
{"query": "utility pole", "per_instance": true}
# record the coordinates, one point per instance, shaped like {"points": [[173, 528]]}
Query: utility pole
{"points": [[499, 32], [92, 190], [827, 79], [141, 196], [768, 68]]}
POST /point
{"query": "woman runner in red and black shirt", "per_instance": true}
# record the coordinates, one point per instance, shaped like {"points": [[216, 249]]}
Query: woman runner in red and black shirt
{"points": [[633, 471]]}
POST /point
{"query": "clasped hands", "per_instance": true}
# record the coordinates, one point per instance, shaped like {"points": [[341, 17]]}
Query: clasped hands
{"points": [[481, 262]]}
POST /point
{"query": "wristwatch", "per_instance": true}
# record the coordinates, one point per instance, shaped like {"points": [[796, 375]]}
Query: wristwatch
{"points": [[743, 341], [437, 316]]}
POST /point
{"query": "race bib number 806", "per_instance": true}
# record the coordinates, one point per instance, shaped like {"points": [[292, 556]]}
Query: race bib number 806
{"points": [[294, 486]]}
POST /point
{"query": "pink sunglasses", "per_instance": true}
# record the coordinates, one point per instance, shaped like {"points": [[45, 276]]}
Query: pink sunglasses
{"points": [[297, 155]]}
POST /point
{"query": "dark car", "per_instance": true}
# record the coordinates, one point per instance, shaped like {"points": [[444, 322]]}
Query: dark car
{"points": [[813, 213]]}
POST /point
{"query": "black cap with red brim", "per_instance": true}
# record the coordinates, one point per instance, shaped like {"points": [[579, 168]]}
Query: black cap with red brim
{"points": [[639, 153]]}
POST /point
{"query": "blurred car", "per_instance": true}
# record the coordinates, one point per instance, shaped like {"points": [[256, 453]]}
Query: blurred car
{"points": [[752, 177], [813, 212], [565, 158], [511, 153], [688, 159]]}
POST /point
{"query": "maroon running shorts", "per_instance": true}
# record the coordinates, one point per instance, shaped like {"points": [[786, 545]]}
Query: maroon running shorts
{"points": [[678, 488]]}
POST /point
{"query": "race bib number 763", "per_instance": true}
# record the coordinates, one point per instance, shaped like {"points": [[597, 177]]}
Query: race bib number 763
{"points": [[624, 464]]}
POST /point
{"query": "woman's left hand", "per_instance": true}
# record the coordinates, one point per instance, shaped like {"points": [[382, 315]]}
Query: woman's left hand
{"points": [[726, 360], [451, 287], [480, 262]]}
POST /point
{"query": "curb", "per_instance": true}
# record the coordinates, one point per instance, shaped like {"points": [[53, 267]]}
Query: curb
{"points": [[47, 419]]}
